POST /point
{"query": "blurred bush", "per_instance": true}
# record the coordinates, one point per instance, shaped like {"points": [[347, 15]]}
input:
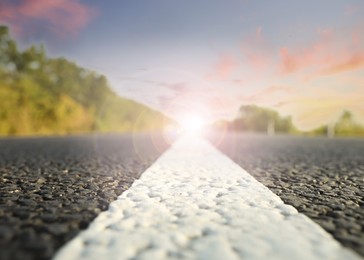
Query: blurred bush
{"points": [[252, 118], [42, 95]]}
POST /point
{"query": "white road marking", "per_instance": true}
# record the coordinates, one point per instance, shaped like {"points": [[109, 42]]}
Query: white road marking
{"points": [[195, 203]]}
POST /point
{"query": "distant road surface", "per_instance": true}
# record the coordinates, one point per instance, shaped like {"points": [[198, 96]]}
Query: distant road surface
{"points": [[51, 188]]}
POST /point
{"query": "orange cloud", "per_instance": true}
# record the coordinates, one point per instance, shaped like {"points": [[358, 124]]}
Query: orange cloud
{"points": [[330, 54], [63, 17], [223, 68], [305, 81], [353, 62]]}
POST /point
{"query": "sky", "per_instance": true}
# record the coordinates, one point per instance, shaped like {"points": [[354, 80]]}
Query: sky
{"points": [[208, 57]]}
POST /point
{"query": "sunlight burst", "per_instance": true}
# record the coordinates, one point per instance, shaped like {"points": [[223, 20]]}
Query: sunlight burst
{"points": [[193, 124]]}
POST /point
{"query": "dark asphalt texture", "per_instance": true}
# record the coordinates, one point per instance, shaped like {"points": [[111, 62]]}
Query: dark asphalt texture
{"points": [[51, 188], [321, 177]]}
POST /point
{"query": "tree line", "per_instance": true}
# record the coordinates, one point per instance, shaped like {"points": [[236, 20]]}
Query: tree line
{"points": [[43, 95], [252, 118]]}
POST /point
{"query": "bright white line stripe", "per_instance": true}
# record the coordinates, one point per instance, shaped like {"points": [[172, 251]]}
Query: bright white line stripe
{"points": [[195, 203]]}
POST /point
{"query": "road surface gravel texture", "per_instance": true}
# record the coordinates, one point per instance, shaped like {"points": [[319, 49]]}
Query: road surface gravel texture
{"points": [[195, 203], [51, 188], [322, 178]]}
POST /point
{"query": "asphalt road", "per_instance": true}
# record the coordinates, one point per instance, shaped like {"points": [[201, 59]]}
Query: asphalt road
{"points": [[51, 188], [323, 178]]}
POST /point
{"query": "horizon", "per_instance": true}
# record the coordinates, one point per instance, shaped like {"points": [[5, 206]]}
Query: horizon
{"points": [[178, 58]]}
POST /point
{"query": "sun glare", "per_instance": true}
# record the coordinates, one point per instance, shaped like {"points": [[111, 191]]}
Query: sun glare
{"points": [[192, 124]]}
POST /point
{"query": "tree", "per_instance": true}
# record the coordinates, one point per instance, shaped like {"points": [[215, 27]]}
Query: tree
{"points": [[346, 125], [40, 95], [259, 119]]}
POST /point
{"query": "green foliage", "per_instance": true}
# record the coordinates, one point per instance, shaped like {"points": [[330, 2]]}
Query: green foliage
{"points": [[322, 130], [258, 119], [40, 95], [344, 126]]}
